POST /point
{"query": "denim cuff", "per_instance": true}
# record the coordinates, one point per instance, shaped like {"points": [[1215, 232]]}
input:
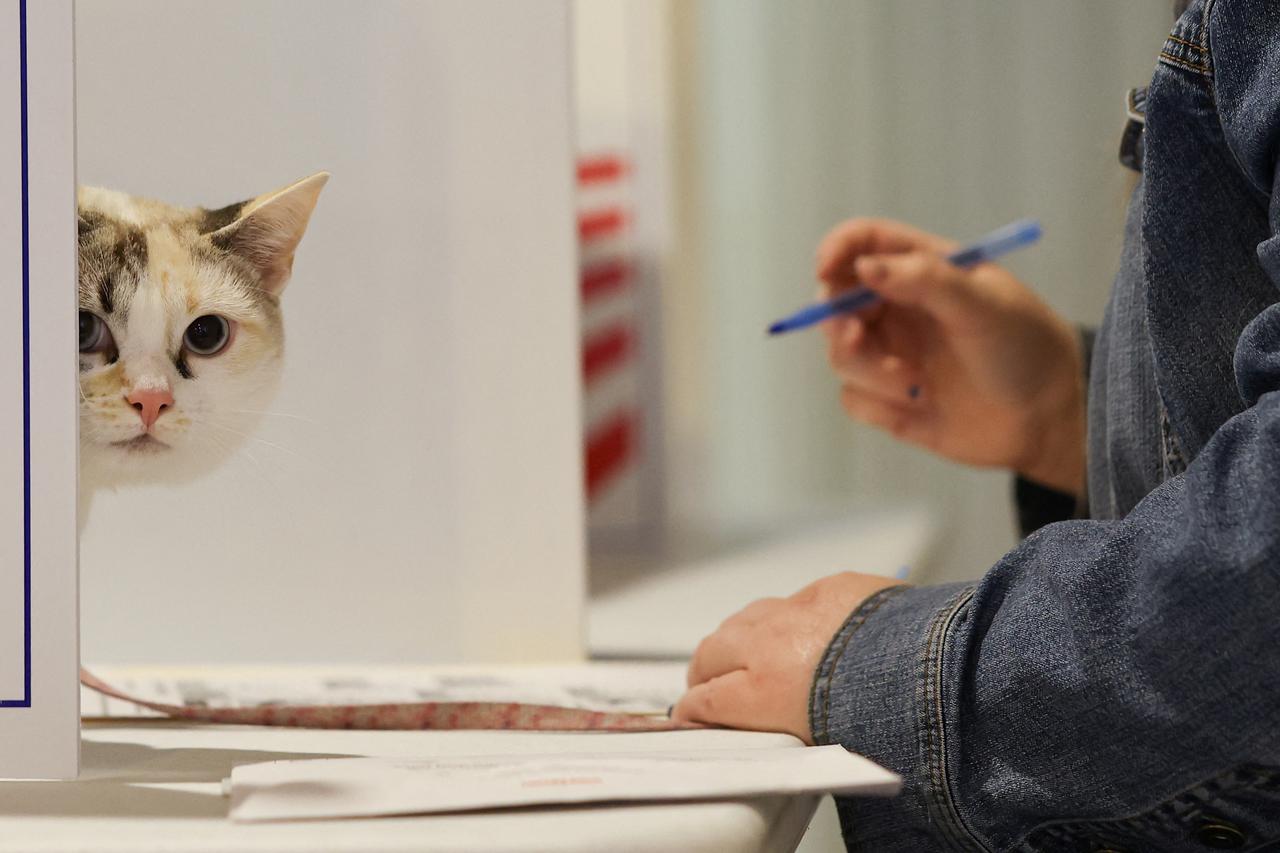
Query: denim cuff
{"points": [[877, 692]]}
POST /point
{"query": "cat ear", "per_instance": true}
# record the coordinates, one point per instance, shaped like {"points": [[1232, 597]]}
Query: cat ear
{"points": [[266, 230]]}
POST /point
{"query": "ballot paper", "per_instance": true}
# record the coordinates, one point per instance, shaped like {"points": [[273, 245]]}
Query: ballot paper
{"points": [[369, 787]]}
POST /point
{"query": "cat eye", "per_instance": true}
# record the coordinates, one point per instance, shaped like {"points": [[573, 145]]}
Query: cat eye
{"points": [[207, 335], [94, 334]]}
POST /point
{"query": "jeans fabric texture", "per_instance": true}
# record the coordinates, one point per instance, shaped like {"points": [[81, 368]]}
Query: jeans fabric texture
{"points": [[1113, 683]]}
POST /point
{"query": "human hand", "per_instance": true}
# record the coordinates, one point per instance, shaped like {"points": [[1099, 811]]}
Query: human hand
{"points": [[755, 671], [968, 363]]}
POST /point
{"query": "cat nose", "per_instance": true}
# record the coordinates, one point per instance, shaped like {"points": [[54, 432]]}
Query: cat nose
{"points": [[150, 403]]}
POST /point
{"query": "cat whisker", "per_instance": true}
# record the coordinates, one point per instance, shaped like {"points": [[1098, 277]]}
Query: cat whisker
{"points": [[276, 414], [257, 466], [263, 441]]}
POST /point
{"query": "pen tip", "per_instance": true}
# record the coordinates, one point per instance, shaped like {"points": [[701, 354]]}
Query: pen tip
{"points": [[777, 328]]}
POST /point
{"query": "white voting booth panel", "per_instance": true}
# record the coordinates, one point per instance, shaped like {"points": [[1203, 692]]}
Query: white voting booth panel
{"points": [[415, 494], [39, 695]]}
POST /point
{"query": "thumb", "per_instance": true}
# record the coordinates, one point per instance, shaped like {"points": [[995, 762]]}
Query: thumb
{"points": [[921, 280]]}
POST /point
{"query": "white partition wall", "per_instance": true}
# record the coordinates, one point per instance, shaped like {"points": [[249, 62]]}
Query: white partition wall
{"points": [[415, 494], [39, 697]]}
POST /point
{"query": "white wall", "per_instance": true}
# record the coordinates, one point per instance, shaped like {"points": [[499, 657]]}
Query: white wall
{"points": [[39, 706], [957, 115], [417, 498]]}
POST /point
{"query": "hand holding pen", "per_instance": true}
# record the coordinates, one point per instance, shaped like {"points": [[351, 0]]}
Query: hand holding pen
{"points": [[964, 360], [1024, 232]]}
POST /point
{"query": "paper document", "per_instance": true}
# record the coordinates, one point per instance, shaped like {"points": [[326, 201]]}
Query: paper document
{"points": [[366, 787]]}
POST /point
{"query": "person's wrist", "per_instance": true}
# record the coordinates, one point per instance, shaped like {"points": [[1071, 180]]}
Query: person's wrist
{"points": [[1056, 426]]}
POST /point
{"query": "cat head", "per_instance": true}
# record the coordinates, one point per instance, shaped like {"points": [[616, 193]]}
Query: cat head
{"points": [[181, 337]]}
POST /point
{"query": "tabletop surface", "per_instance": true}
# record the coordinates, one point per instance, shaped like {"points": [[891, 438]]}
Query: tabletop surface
{"points": [[151, 785]]}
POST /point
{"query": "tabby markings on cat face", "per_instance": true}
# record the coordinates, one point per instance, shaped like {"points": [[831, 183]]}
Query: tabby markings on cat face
{"points": [[181, 335]]}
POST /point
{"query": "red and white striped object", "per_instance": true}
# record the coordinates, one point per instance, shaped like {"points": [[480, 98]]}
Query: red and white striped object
{"points": [[611, 340], [449, 716]]}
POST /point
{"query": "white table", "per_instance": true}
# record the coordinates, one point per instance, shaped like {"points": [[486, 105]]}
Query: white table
{"points": [[155, 785]]}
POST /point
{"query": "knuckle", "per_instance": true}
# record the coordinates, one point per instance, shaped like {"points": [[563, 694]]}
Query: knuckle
{"points": [[700, 653], [705, 703], [756, 612], [856, 224], [808, 594], [876, 224], [840, 233], [915, 265]]}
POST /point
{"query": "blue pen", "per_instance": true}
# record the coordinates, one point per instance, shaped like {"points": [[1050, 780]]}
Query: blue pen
{"points": [[1024, 232]]}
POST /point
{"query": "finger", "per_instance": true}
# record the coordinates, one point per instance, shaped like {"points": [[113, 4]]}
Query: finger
{"points": [[897, 419], [887, 378], [719, 652], [725, 648], [922, 280], [848, 240], [855, 325], [859, 358], [862, 365], [723, 701], [848, 337]]}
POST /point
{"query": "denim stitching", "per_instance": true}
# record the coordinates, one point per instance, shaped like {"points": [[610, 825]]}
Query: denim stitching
{"points": [[1190, 44], [1182, 63], [1170, 55], [827, 667], [928, 699], [941, 802]]}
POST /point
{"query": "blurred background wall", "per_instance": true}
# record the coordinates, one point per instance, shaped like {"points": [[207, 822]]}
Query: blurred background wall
{"points": [[749, 127], [785, 118]]}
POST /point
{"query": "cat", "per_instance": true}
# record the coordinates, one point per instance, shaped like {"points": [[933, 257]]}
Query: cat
{"points": [[181, 334]]}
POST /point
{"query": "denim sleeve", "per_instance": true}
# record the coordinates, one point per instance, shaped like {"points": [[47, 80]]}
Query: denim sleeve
{"points": [[1101, 667], [1084, 674]]}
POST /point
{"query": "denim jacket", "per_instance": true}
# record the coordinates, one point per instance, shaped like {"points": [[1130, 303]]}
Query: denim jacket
{"points": [[1113, 683]]}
